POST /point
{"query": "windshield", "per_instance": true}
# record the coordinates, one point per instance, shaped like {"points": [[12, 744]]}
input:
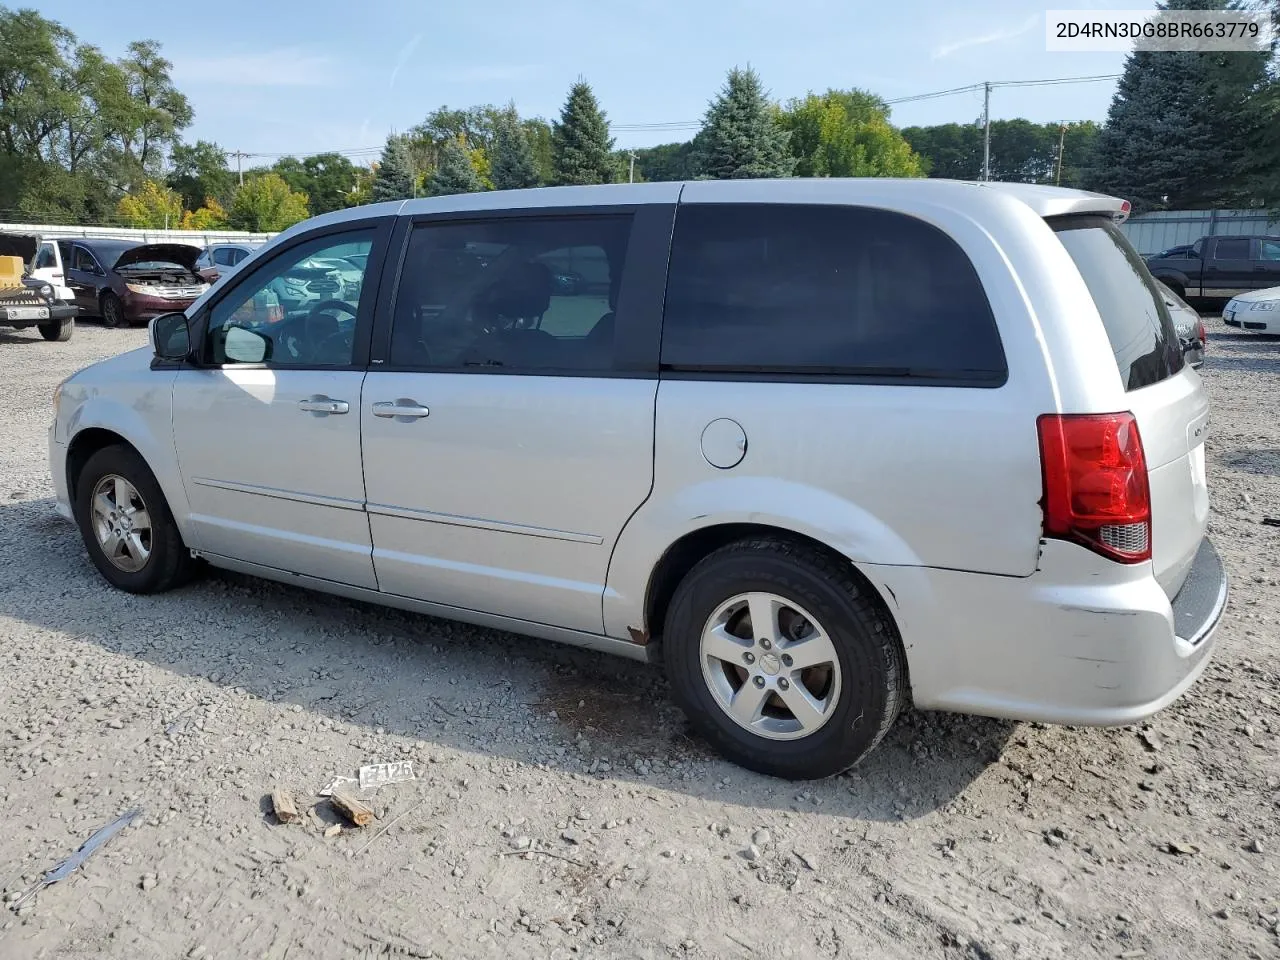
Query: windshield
{"points": [[1137, 320]]}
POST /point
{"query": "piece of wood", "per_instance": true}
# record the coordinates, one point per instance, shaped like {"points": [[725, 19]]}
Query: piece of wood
{"points": [[351, 807], [283, 803]]}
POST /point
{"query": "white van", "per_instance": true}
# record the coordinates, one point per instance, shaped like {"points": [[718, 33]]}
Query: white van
{"points": [[819, 447]]}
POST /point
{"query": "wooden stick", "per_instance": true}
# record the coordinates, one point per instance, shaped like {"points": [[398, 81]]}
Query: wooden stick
{"points": [[286, 809], [389, 826], [351, 807]]}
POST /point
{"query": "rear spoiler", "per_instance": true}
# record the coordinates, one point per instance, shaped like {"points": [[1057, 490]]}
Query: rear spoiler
{"points": [[1063, 202]]}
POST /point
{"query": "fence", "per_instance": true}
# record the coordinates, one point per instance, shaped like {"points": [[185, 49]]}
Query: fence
{"points": [[1153, 232], [197, 237]]}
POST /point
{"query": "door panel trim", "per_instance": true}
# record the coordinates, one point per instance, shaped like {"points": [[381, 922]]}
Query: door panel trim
{"points": [[453, 520], [529, 628], [340, 503]]}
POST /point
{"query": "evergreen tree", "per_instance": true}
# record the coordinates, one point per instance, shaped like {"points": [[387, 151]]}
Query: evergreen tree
{"points": [[741, 137], [1181, 127], [512, 164], [394, 179], [580, 141], [454, 172]]}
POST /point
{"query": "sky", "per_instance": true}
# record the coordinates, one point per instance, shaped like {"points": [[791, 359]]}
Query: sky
{"points": [[278, 76]]}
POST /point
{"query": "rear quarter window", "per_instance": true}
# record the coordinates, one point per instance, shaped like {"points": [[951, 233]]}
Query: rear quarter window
{"points": [[834, 291], [1139, 327]]}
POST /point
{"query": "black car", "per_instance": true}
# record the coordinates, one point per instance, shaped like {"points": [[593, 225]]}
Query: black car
{"points": [[28, 302]]}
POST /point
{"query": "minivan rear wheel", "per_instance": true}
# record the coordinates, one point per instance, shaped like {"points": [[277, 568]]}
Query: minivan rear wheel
{"points": [[782, 660]]}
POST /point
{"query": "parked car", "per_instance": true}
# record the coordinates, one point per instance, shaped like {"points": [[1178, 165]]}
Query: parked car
{"points": [[1187, 324], [820, 447], [1258, 311], [122, 281], [26, 301], [218, 259], [1220, 267]]}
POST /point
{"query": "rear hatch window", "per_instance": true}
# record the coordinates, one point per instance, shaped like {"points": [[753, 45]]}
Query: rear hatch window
{"points": [[1141, 331]]}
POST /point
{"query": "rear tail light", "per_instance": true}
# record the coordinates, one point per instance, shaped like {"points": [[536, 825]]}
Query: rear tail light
{"points": [[1095, 484], [1204, 336]]}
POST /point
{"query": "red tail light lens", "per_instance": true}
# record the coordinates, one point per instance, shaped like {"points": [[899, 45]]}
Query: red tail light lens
{"points": [[1095, 483], [1204, 336]]}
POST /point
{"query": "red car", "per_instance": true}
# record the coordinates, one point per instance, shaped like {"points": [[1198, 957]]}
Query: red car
{"points": [[128, 283]]}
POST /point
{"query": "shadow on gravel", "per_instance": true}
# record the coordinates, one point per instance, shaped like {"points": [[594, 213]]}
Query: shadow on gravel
{"points": [[1264, 463], [462, 687]]}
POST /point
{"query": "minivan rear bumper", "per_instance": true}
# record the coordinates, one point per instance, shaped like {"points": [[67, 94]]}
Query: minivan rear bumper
{"points": [[1070, 648]]}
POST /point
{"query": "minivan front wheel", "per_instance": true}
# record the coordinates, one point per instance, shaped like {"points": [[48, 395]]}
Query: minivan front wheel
{"points": [[782, 660], [126, 524]]}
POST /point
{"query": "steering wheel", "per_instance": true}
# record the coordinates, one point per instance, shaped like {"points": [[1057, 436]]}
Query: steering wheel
{"points": [[336, 344]]}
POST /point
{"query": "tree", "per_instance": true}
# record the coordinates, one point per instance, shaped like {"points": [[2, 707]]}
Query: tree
{"points": [[538, 132], [846, 133], [952, 151], [454, 173], [667, 161], [209, 217], [266, 204], [512, 163], [394, 179], [200, 172], [326, 178], [740, 136], [152, 206], [1182, 126], [155, 114], [580, 141]]}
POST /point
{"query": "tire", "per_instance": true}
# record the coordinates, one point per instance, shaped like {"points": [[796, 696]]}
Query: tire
{"points": [[168, 562], [58, 330], [112, 311], [861, 690]]}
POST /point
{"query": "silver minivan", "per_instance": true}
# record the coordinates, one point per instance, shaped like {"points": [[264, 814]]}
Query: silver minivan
{"points": [[819, 447]]}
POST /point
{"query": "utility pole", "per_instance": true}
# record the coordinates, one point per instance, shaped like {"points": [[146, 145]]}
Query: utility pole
{"points": [[1062, 142], [986, 130], [239, 155], [631, 175]]}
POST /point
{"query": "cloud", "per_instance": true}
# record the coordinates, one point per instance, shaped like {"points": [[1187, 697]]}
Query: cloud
{"points": [[488, 74], [403, 57], [995, 36], [281, 67]]}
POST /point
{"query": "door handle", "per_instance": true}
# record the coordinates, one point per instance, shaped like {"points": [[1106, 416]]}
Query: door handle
{"points": [[323, 405], [402, 409]]}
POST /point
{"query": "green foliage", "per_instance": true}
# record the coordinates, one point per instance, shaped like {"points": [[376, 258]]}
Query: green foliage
{"points": [[326, 178], [580, 142], [1182, 128], [200, 172], [455, 172], [151, 206], [667, 161], [394, 179], [538, 132], [846, 133], [209, 217], [266, 204], [741, 137], [77, 128], [512, 162], [1021, 151]]}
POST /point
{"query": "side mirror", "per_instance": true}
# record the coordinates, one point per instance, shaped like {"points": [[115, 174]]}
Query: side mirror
{"points": [[246, 346], [170, 336]]}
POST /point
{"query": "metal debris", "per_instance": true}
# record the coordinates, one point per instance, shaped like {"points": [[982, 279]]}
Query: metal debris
{"points": [[77, 859]]}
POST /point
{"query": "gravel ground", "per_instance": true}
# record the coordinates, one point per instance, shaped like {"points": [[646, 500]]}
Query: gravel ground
{"points": [[561, 807]]}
